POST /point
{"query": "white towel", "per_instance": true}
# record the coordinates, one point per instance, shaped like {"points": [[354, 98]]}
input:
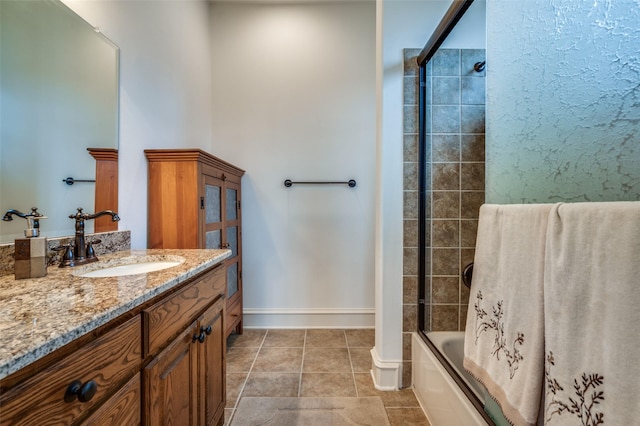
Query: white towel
{"points": [[592, 311], [504, 347]]}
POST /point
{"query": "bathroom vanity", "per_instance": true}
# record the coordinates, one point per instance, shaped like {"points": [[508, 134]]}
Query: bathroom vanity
{"points": [[147, 348]]}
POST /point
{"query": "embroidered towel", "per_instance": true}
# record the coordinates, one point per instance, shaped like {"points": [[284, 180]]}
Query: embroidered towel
{"points": [[504, 347], [592, 311]]}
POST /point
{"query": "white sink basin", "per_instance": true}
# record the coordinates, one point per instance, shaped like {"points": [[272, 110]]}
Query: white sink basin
{"points": [[130, 266]]}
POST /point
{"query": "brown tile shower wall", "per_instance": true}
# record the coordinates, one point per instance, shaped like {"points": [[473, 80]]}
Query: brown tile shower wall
{"points": [[455, 189]]}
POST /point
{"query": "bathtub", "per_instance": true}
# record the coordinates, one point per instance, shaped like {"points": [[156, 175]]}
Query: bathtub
{"points": [[445, 398]]}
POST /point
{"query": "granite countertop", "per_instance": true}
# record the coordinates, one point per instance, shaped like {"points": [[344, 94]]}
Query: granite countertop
{"points": [[40, 315]]}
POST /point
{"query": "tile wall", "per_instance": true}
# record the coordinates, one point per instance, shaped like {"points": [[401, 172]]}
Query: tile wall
{"points": [[455, 187]]}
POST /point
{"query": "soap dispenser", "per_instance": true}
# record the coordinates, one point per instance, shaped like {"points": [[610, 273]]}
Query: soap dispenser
{"points": [[30, 252]]}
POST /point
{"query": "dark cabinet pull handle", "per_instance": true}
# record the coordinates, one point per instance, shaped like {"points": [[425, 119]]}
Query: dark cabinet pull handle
{"points": [[200, 338], [204, 332], [84, 392]]}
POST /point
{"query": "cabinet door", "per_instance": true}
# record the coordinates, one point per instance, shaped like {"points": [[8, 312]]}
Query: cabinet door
{"points": [[212, 351], [211, 209], [170, 382], [232, 238]]}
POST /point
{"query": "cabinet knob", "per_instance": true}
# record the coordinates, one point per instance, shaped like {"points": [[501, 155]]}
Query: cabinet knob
{"points": [[225, 245], [199, 337], [206, 330], [83, 392]]}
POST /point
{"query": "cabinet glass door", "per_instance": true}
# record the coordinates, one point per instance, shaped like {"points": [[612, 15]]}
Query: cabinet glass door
{"points": [[232, 237], [212, 206]]}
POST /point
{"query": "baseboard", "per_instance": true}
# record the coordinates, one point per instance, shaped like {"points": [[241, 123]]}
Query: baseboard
{"points": [[309, 318], [386, 375]]}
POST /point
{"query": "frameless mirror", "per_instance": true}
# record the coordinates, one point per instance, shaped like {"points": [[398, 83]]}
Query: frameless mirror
{"points": [[58, 97]]}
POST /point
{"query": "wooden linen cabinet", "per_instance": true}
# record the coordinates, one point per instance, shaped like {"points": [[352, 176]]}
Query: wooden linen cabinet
{"points": [[194, 202]]}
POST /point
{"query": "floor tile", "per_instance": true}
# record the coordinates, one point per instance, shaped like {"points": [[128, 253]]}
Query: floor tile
{"points": [[361, 338], [326, 360], [400, 398], [326, 338], [228, 413], [279, 360], [285, 338], [240, 359], [248, 338], [272, 384], [327, 384], [235, 382], [310, 363], [407, 417], [360, 359]]}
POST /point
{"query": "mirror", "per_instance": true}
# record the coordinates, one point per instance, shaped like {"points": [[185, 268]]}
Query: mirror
{"points": [[58, 97]]}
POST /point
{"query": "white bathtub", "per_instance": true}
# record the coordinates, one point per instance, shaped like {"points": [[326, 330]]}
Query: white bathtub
{"points": [[451, 345], [442, 399]]}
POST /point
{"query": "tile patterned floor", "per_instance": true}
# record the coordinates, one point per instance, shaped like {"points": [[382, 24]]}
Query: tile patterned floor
{"points": [[310, 363]]}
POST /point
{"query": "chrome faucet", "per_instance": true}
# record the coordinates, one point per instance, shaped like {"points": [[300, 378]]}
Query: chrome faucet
{"points": [[83, 252]]}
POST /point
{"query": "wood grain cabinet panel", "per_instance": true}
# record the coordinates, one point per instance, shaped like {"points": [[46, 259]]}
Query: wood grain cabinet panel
{"points": [[194, 202], [167, 317], [212, 391], [123, 408], [170, 383], [186, 380], [108, 362]]}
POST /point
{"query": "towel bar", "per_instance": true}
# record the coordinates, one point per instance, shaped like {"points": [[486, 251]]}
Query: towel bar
{"points": [[71, 181], [289, 183]]}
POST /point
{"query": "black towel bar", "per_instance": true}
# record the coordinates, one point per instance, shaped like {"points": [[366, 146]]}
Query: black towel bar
{"points": [[289, 183], [71, 181]]}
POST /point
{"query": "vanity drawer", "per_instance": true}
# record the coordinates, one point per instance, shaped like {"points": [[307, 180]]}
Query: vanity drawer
{"points": [[123, 408], [108, 362], [167, 318]]}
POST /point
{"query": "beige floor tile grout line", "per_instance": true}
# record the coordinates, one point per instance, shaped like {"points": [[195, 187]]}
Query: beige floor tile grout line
{"points": [[246, 379], [353, 374], [304, 348]]}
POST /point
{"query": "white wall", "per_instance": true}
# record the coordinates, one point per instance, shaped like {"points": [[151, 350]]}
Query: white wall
{"points": [[164, 87], [294, 97]]}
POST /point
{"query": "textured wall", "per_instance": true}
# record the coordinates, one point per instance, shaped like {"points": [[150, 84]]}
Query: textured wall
{"points": [[563, 100]]}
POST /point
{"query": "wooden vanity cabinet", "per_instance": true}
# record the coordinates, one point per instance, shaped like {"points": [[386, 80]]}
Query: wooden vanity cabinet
{"points": [[102, 368], [194, 202], [186, 376], [161, 363]]}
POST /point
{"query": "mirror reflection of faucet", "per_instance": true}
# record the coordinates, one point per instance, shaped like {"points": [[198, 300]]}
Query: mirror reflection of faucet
{"points": [[33, 220], [80, 253], [30, 253]]}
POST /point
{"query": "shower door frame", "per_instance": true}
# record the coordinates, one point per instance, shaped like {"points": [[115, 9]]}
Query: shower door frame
{"points": [[446, 25]]}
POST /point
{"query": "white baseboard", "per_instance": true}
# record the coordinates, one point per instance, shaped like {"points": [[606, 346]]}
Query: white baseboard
{"points": [[309, 318], [386, 375]]}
